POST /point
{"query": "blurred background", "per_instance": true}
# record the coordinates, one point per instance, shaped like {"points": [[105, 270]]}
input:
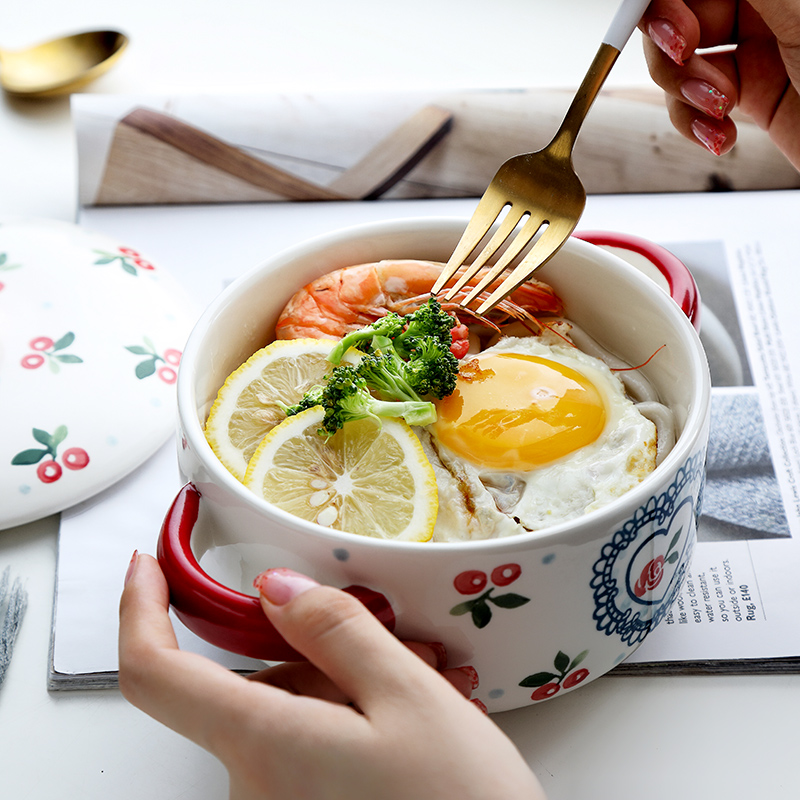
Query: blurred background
{"points": [[272, 46]]}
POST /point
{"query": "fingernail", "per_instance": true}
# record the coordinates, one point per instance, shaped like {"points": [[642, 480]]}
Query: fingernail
{"points": [[480, 705], [279, 586], [667, 39], [472, 674], [131, 566], [705, 97], [440, 651], [709, 135]]}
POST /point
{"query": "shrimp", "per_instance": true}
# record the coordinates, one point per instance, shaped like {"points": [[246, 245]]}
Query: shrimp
{"points": [[353, 297]]}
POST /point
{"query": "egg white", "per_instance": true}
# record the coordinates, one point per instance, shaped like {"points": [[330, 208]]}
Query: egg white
{"points": [[480, 502]]}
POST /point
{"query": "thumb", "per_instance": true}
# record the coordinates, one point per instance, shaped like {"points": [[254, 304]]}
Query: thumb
{"points": [[341, 638], [784, 22]]}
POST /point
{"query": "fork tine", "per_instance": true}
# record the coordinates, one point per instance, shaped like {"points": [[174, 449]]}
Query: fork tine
{"points": [[549, 244], [484, 216], [518, 244], [506, 228]]}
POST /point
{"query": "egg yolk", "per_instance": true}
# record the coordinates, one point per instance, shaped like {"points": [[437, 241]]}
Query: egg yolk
{"points": [[519, 411]]}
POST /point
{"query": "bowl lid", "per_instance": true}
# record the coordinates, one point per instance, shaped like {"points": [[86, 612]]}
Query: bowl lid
{"points": [[91, 334]]}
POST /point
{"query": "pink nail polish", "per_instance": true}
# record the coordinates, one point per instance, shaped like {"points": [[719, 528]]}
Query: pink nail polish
{"points": [[131, 566], [709, 135], [667, 39], [472, 674], [281, 585], [705, 97]]}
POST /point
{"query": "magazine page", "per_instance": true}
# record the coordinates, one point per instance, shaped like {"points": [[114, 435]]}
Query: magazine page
{"points": [[740, 599]]}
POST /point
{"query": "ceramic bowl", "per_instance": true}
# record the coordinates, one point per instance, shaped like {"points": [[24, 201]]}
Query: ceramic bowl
{"points": [[536, 615]]}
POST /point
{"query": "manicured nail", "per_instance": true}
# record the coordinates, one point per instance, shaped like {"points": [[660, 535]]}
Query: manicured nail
{"points": [[480, 705], [131, 566], [667, 39], [440, 651], [279, 586], [705, 97], [472, 674], [709, 135]]}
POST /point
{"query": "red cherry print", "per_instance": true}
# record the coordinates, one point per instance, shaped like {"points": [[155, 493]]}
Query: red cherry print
{"points": [[2, 286], [505, 574], [167, 374], [172, 356], [142, 264], [48, 471], [32, 361], [75, 458], [574, 678], [129, 251], [470, 582], [42, 343], [543, 692]]}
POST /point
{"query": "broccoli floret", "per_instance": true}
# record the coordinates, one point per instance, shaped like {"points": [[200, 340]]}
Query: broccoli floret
{"points": [[346, 398], [431, 369], [313, 397], [389, 326], [403, 360], [429, 321], [385, 373], [407, 356]]}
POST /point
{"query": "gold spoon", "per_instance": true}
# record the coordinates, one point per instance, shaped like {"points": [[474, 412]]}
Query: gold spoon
{"points": [[60, 65]]}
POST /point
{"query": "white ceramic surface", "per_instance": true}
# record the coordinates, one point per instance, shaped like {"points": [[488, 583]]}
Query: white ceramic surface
{"points": [[537, 614], [91, 335]]}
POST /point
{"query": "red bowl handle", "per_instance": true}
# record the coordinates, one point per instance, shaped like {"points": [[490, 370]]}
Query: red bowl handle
{"points": [[682, 286], [226, 618]]}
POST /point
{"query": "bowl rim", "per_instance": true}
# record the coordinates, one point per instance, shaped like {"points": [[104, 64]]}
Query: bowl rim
{"points": [[587, 527]]}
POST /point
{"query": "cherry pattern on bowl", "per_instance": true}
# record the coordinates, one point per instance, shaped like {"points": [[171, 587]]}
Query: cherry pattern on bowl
{"points": [[46, 350], [129, 259], [473, 581], [169, 360], [48, 469], [564, 675]]}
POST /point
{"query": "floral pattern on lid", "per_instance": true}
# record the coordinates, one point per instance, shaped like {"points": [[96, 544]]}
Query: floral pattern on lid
{"points": [[75, 414]]}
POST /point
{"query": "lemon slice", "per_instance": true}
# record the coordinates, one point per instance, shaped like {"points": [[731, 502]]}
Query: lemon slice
{"points": [[368, 479], [250, 403]]}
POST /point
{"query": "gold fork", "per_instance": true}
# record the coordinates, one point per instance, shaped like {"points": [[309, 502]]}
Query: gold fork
{"points": [[540, 189]]}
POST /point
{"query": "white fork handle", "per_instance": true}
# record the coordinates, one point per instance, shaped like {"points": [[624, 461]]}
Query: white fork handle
{"points": [[624, 23]]}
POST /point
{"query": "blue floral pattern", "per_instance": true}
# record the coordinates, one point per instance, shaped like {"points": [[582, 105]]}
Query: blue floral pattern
{"points": [[641, 569]]}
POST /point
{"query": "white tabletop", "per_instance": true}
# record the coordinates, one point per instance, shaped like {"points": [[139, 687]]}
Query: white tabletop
{"points": [[619, 737]]}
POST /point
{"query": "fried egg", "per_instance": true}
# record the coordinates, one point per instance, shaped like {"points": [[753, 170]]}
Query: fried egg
{"points": [[536, 433]]}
